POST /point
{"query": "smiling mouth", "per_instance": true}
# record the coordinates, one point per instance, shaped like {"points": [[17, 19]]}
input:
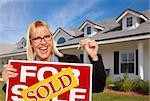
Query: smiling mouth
{"points": [[43, 49]]}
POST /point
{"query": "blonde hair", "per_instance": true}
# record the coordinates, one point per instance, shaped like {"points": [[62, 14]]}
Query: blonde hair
{"points": [[30, 52]]}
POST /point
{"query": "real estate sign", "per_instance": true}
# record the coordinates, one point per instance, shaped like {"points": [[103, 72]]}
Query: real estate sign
{"points": [[56, 81]]}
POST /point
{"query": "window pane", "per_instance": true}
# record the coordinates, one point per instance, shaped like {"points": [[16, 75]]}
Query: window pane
{"points": [[88, 30], [127, 63], [130, 67], [124, 68], [61, 40], [123, 57], [131, 57], [129, 22]]}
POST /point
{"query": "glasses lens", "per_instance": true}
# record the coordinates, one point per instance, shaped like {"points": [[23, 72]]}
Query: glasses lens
{"points": [[47, 38], [39, 39]]}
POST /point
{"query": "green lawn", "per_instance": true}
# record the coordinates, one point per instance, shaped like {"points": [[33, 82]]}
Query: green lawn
{"points": [[99, 96], [117, 97]]}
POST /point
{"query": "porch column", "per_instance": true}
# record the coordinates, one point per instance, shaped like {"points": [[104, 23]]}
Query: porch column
{"points": [[140, 62], [85, 57]]}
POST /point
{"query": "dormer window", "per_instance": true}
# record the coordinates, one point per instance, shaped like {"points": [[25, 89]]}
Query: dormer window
{"points": [[88, 30], [61, 40], [129, 21]]}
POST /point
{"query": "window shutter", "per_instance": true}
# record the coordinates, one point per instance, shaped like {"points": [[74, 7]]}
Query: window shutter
{"points": [[116, 62], [136, 62]]}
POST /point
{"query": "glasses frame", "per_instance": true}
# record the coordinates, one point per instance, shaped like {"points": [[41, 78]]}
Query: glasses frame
{"points": [[46, 38]]}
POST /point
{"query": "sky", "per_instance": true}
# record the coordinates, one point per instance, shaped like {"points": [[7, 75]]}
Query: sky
{"points": [[17, 15]]}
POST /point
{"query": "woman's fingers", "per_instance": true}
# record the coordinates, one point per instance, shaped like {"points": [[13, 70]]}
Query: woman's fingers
{"points": [[11, 69], [88, 43], [91, 47], [85, 41], [8, 72]]}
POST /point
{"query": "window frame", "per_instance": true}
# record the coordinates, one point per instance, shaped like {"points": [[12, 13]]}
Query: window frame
{"points": [[87, 30], [129, 71], [60, 39], [129, 21]]}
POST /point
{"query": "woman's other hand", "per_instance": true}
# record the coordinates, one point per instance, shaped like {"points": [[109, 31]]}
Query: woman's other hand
{"points": [[8, 72], [91, 47]]}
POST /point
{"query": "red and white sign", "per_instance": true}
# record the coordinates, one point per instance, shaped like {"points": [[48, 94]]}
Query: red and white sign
{"points": [[30, 73]]}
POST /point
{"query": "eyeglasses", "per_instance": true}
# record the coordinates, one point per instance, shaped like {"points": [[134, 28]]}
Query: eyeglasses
{"points": [[46, 38]]}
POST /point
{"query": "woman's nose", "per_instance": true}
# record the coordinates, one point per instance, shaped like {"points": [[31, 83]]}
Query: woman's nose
{"points": [[43, 41]]}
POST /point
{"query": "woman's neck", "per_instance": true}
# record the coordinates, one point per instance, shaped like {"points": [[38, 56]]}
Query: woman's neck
{"points": [[47, 59]]}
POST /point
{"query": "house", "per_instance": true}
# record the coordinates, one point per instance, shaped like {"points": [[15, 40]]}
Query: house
{"points": [[124, 43], [12, 51]]}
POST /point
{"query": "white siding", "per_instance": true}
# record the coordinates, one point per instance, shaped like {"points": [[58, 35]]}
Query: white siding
{"points": [[93, 31], [107, 52], [135, 22], [62, 34]]}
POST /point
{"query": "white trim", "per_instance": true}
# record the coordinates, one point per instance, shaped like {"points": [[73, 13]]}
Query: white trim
{"points": [[56, 32], [83, 25], [94, 25], [98, 27], [141, 16], [67, 47], [121, 17], [111, 41], [125, 39], [132, 13], [8, 55]]}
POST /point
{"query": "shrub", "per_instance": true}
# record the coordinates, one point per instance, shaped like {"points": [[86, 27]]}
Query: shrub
{"points": [[118, 85], [109, 82], [124, 84], [127, 83], [141, 86]]}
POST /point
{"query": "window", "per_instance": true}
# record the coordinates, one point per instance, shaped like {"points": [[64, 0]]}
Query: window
{"points": [[61, 40], [127, 63], [88, 30], [129, 21]]}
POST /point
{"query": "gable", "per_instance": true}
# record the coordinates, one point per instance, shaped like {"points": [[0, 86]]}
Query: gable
{"points": [[131, 12], [61, 34], [92, 24]]}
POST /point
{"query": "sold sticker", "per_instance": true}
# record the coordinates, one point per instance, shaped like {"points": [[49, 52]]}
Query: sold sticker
{"points": [[51, 87]]}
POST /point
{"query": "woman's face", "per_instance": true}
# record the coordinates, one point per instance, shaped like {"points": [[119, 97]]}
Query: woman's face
{"points": [[41, 42]]}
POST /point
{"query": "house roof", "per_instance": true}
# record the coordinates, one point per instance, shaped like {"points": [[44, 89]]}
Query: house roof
{"points": [[113, 30], [14, 53], [6, 48], [12, 49], [141, 30], [96, 25], [146, 13], [64, 30], [70, 32], [130, 11]]}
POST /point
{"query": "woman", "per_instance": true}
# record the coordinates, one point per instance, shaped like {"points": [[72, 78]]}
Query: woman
{"points": [[41, 46]]}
